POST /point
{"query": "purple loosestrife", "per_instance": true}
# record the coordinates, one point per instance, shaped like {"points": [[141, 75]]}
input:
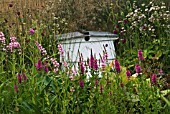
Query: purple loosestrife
{"points": [[46, 69], [160, 72], [154, 79], [103, 60], [19, 78], [31, 31], [128, 74], [140, 55], [101, 89], [13, 44], [117, 66], [16, 88], [2, 37], [38, 65], [61, 50], [24, 77], [91, 61], [137, 68], [81, 83], [82, 68], [96, 82], [43, 51], [56, 64], [95, 66]]}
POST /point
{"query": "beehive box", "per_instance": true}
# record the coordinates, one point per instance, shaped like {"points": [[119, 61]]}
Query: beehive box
{"points": [[84, 42]]}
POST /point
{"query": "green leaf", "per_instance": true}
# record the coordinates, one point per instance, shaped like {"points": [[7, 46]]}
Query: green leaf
{"points": [[158, 55], [166, 100]]}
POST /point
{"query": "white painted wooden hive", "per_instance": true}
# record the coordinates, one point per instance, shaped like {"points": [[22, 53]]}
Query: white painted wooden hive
{"points": [[84, 42]]}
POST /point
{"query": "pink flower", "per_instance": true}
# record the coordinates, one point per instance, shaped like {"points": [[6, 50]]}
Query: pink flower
{"points": [[32, 31], [19, 78], [43, 51], [115, 32], [16, 88], [96, 82], [46, 68], [38, 65], [81, 83], [160, 72], [61, 50], [82, 68], [140, 55], [117, 66], [128, 74], [123, 40], [91, 61], [13, 39], [24, 77], [138, 69], [101, 89], [154, 79], [56, 70]]}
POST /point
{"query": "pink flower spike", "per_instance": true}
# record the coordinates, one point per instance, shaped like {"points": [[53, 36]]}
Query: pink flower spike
{"points": [[81, 83], [117, 66], [140, 55], [38, 65], [24, 77], [128, 74], [16, 88], [154, 79], [101, 89], [138, 69], [96, 82], [19, 78], [46, 68]]}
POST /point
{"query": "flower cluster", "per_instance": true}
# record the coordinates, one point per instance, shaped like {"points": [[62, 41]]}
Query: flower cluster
{"points": [[140, 55], [56, 64], [13, 44], [117, 66], [22, 77], [2, 37], [43, 51], [93, 62], [61, 50], [40, 66]]}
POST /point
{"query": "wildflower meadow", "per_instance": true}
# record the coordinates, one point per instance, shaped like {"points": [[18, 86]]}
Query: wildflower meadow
{"points": [[36, 78]]}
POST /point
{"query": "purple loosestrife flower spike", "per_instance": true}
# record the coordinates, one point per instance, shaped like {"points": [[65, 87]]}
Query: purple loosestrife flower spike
{"points": [[154, 79], [128, 74], [117, 66], [140, 55], [81, 83], [96, 82], [101, 89], [24, 77], [19, 78], [46, 68], [95, 67], [160, 72], [138, 69], [61, 50], [38, 65], [82, 68], [16, 88], [32, 31]]}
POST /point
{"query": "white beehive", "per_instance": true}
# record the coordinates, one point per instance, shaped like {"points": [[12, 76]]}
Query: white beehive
{"points": [[85, 42]]}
